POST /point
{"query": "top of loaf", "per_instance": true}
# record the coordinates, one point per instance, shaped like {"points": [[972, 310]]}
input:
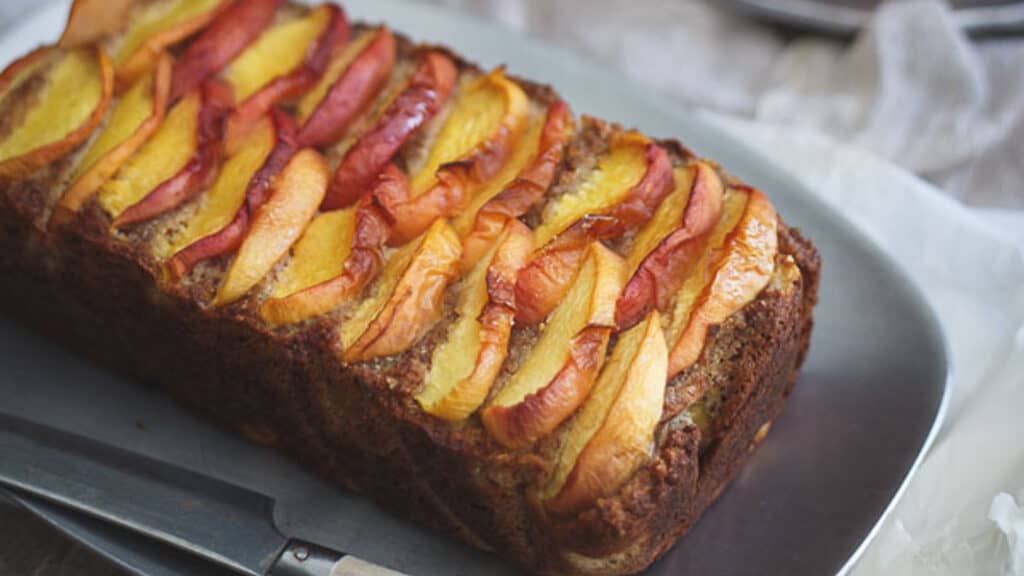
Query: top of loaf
{"points": [[520, 281]]}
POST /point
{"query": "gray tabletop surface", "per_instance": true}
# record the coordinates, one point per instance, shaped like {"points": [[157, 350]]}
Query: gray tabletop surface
{"points": [[28, 546]]}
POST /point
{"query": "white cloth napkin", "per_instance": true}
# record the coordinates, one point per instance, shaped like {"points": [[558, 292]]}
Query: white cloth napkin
{"points": [[1010, 518], [912, 88], [975, 281]]}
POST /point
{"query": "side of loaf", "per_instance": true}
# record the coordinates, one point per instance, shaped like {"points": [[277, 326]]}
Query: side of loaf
{"points": [[552, 337]]}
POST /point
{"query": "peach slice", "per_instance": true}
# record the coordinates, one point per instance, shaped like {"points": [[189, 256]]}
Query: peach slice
{"points": [[198, 173], [218, 230], [160, 158], [464, 367], [522, 183], [352, 93], [425, 93], [25, 68], [698, 276], [667, 247], [320, 253], [219, 205], [475, 143], [154, 28], [92, 20], [226, 36], [77, 92], [279, 50], [613, 433], [333, 33], [622, 193], [294, 197], [338, 62], [557, 375], [741, 269], [134, 119], [337, 256], [406, 302]]}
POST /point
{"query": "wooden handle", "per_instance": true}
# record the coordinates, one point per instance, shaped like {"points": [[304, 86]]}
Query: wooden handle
{"points": [[352, 566], [304, 559]]}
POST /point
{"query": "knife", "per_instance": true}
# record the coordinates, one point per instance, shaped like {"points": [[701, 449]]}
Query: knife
{"points": [[218, 522]]}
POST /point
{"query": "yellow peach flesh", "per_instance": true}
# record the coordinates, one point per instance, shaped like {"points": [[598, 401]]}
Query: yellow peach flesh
{"points": [[159, 159], [219, 205], [155, 17], [320, 254], [73, 91], [277, 51], [610, 182], [614, 429], [309, 101], [522, 155], [590, 302], [666, 218], [479, 110], [277, 224]]}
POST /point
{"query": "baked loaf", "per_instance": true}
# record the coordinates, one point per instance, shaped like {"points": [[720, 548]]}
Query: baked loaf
{"points": [[555, 338]]}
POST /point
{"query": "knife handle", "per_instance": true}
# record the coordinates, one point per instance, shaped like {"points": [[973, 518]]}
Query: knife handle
{"points": [[304, 559]]}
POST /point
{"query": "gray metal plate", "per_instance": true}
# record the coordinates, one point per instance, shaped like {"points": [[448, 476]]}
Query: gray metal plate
{"points": [[867, 404]]}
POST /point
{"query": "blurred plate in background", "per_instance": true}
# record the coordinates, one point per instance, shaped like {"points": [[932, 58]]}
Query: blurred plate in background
{"points": [[848, 16]]}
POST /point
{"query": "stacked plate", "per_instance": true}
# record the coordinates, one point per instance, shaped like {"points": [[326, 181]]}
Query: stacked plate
{"points": [[847, 16]]}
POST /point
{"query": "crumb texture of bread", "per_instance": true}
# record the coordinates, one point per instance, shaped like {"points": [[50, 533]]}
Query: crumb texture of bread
{"points": [[549, 336]]}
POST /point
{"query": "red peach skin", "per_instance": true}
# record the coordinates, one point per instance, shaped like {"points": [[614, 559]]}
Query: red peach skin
{"points": [[199, 172], [526, 190], [664, 270], [362, 264], [294, 83], [229, 33], [455, 182], [745, 267], [85, 186], [229, 238], [546, 279], [542, 411], [419, 101], [352, 94]]}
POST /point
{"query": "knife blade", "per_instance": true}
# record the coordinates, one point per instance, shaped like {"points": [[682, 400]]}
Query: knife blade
{"points": [[134, 554], [219, 522]]}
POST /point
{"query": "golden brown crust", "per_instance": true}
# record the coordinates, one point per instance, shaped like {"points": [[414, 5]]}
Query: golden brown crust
{"points": [[359, 425], [289, 392]]}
